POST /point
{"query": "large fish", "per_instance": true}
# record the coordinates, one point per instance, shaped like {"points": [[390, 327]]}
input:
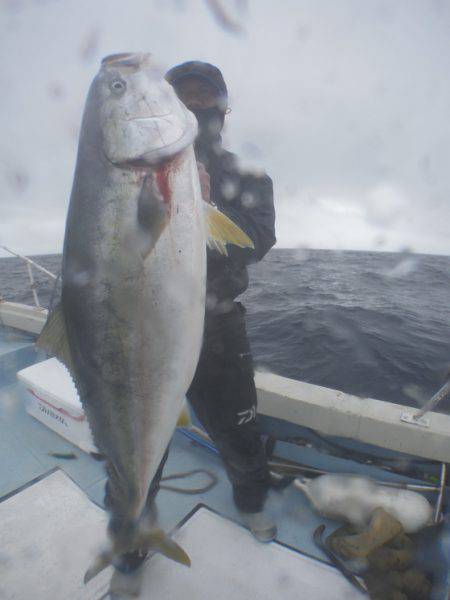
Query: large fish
{"points": [[130, 323]]}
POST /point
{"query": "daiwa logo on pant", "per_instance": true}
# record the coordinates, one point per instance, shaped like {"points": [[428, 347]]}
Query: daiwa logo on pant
{"points": [[246, 416]]}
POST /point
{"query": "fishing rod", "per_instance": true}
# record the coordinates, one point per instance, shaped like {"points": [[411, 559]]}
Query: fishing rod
{"points": [[287, 467], [435, 399]]}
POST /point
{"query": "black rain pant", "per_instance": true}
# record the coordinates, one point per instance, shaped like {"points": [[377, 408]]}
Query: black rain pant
{"points": [[223, 396]]}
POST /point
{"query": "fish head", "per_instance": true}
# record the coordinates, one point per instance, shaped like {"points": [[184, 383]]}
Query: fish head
{"points": [[141, 118]]}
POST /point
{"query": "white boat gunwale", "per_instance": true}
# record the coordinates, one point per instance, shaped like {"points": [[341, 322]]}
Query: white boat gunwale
{"points": [[331, 412]]}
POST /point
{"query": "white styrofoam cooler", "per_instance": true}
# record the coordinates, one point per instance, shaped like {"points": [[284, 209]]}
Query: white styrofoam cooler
{"points": [[53, 399]]}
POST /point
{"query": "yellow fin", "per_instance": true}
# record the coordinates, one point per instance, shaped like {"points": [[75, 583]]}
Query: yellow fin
{"points": [[221, 231], [53, 337], [162, 543], [184, 420], [155, 540]]}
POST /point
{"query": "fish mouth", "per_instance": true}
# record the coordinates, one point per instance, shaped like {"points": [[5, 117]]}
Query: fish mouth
{"points": [[136, 164], [148, 117], [143, 140], [146, 161]]}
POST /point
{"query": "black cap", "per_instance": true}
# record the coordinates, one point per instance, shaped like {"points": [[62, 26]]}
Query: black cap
{"points": [[204, 70]]}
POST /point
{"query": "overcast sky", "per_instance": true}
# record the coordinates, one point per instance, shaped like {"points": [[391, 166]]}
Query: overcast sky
{"points": [[345, 103]]}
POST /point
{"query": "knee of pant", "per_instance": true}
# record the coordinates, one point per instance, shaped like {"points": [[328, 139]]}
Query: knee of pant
{"points": [[245, 362]]}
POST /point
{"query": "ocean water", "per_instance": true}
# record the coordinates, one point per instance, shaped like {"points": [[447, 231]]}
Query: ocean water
{"points": [[369, 323]]}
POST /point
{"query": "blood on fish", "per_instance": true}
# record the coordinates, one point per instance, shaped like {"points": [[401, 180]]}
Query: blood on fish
{"points": [[162, 178]]}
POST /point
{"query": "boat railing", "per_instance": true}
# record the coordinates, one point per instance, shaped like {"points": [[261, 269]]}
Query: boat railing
{"points": [[30, 264]]}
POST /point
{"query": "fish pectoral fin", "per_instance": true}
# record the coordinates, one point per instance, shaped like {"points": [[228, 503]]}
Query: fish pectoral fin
{"points": [[53, 337], [152, 216], [221, 231], [158, 541], [184, 420]]}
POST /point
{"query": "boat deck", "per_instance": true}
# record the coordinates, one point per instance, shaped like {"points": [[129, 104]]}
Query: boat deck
{"points": [[16, 352], [26, 447]]}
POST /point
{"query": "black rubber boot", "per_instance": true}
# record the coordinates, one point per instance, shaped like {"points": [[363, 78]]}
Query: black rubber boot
{"points": [[261, 525]]}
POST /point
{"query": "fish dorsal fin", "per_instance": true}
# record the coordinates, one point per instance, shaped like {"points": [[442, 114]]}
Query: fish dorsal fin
{"points": [[221, 231], [53, 337]]}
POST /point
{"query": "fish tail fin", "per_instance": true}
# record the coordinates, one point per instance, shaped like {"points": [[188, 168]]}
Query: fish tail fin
{"points": [[222, 231], [101, 562], [153, 541], [158, 541]]}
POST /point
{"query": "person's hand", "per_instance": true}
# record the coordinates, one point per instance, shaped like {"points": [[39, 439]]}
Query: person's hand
{"points": [[205, 182]]}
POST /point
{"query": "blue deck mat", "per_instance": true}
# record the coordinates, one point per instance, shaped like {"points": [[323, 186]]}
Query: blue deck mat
{"points": [[17, 351], [26, 443]]}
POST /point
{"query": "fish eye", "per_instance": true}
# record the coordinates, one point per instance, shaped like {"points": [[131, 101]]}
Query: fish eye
{"points": [[117, 86]]}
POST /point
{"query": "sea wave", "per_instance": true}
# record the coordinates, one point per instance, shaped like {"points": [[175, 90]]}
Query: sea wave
{"points": [[367, 323]]}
